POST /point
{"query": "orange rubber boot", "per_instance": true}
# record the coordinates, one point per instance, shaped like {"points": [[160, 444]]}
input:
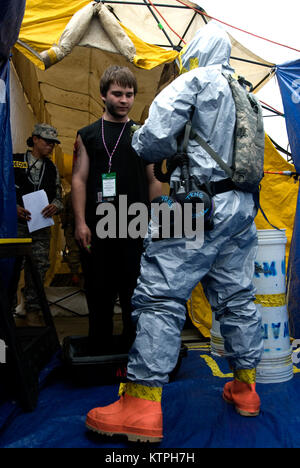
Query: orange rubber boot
{"points": [[242, 393], [137, 418]]}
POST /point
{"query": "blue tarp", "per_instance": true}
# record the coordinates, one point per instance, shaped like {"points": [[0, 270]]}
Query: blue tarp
{"points": [[8, 206], [194, 413], [288, 76], [8, 213], [11, 15]]}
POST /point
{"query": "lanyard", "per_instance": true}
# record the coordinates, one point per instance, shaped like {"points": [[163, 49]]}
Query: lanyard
{"points": [[41, 173], [110, 155]]}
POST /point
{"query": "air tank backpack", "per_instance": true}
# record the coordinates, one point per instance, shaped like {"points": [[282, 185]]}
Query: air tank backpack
{"points": [[247, 167]]}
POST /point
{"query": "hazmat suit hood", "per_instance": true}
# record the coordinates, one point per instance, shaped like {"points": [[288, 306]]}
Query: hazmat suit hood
{"points": [[210, 46], [200, 94]]}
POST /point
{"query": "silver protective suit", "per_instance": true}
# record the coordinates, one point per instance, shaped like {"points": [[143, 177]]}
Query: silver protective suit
{"points": [[225, 262]]}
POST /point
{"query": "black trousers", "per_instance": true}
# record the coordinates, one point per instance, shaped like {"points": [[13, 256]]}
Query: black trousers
{"points": [[110, 270]]}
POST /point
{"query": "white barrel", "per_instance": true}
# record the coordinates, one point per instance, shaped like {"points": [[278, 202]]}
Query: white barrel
{"points": [[276, 363]]}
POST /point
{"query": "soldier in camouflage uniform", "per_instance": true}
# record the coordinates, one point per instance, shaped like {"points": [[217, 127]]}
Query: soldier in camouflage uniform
{"points": [[35, 171]]}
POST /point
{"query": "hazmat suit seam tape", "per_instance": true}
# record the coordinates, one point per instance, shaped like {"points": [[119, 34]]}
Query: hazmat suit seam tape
{"points": [[215, 368], [247, 376], [52, 56], [141, 391], [271, 300]]}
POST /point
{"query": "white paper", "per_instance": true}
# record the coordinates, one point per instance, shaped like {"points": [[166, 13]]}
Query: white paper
{"points": [[35, 202]]}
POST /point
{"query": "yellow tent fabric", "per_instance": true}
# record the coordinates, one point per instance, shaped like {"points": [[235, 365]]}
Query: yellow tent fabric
{"points": [[43, 26], [200, 311], [44, 22], [278, 194], [278, 199], [149, 56]]}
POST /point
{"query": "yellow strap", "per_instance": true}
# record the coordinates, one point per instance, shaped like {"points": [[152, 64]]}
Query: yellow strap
{"points": [[271, 300], [141, 391], [19, 240]]}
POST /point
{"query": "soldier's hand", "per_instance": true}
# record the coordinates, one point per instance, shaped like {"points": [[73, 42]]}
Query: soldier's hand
{"points": [[49, 211], [23, 214]]}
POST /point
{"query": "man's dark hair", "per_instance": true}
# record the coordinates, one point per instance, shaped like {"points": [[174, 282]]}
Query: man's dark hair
{"points": [[119, 75]]}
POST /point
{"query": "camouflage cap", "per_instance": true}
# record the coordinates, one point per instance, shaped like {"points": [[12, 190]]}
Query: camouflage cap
{"points": [[45, 131]]}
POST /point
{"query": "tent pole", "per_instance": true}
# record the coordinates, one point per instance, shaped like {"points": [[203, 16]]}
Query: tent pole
{"points": [[277, 113], [191, 22], [252, 61], [159, 23], [26, 46], [125, 2], [264, 79], [279, 148]]}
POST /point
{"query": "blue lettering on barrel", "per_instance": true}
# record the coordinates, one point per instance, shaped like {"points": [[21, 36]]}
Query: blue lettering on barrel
{"points": [[283, 267], [266, 269], [264, 330], [276, 330], [286, 330], [269, 270]]}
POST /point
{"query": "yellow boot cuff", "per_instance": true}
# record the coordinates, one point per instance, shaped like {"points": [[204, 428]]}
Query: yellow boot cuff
{"points": [[247, 376], [141, 391]]}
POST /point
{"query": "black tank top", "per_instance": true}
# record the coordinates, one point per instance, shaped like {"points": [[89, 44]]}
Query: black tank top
{"points": [[130, 169]]}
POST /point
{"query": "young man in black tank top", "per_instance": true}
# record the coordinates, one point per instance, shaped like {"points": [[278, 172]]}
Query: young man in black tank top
{"points": [[103, 152]]}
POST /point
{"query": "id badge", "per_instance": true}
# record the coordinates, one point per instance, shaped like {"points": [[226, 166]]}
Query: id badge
{"points": [[109, 188]]}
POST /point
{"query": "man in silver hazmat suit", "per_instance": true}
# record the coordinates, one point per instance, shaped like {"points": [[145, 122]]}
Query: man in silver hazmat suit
{"points": [[170, 271]]}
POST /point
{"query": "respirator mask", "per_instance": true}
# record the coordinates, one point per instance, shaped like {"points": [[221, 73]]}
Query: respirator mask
{"points": [[185, 191]]}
